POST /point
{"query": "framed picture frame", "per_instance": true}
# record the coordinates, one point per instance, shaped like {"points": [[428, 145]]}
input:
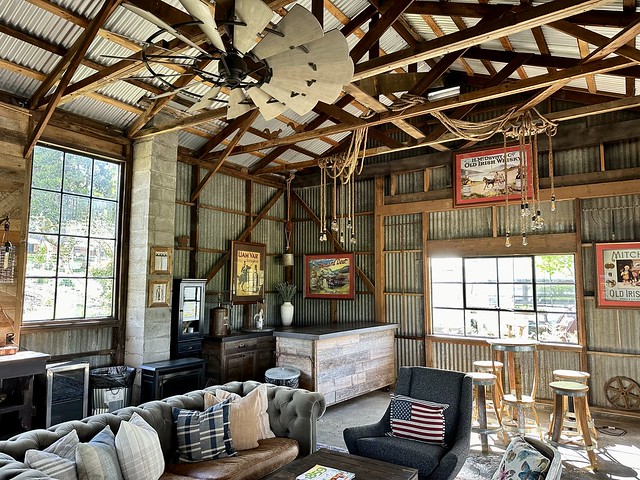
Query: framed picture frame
{"points": [[329, 276], [161, 260], [248, 261], [618, 274], [479, 177], [159, 293]]}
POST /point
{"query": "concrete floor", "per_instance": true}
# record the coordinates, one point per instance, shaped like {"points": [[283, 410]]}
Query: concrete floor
{"points": [[618, 456]]}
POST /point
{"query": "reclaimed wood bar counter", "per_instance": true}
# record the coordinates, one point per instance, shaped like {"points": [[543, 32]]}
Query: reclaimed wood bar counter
{"points": [[341, 361]]}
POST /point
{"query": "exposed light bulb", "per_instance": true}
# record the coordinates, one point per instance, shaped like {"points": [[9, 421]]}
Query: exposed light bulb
{"points": [[525, 242], [539, 220], [334, 225], [507, 240], [349, 224], [341, 237], [353, 239], [553, 203]]}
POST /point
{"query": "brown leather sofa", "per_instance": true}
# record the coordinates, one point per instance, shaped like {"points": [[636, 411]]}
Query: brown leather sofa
{"points": [[292, 416]]}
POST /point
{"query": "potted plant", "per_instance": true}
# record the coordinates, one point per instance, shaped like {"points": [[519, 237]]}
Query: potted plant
{"points": [[286, 291]]}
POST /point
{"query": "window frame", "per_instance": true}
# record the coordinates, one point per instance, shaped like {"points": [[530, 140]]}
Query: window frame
{"points": [[533, 282], [120, 245]]}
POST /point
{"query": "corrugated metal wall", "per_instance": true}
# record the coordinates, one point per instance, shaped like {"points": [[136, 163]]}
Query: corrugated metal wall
{"points": [[612, 334]]}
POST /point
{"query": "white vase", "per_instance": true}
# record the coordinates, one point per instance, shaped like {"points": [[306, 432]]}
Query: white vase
{"points": [[286, 313]]}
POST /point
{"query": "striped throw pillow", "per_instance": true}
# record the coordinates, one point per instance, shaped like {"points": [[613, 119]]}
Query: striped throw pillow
{"points": [[417, 419], [203, 435], [98, 460], [58, 460], [139, 451]]}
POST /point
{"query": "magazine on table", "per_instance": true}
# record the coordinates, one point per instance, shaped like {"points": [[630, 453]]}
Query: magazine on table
{"points": [[320, 472]]}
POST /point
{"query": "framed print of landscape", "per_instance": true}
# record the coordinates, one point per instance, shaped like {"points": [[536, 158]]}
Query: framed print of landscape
{"points": [[329, 276]]}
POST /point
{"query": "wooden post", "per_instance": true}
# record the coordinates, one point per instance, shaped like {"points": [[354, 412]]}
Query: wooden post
{"points": [[379, 251]]}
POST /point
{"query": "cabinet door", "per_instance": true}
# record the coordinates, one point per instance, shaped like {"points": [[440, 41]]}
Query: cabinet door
{"points": [[265, 359], [240, 366]]}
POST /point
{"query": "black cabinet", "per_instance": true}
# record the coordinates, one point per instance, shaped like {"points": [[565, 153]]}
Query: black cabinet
{"points": [[171, 377], [187, 317]]}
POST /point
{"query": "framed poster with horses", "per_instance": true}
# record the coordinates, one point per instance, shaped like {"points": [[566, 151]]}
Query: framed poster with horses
{"points": [[482, 177], [248, 262]]}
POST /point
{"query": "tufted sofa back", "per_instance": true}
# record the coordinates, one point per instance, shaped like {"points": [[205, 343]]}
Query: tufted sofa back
{"points": [[292, 413]]}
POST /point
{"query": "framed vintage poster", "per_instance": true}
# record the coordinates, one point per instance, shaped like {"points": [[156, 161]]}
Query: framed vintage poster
{"points": [[479, 177], [618, 274], [159, 293], [329, 276], [248, 262], [160, 262]]}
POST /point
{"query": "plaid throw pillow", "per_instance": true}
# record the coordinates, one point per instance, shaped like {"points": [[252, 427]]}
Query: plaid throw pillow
{"points": [[203, 435], [417, 419]]}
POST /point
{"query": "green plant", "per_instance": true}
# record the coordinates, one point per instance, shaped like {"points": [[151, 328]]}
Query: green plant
{"points": [[286, 291]]}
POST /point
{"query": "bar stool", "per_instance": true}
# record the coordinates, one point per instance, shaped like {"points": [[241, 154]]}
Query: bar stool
{"points": [[488, 366], [570, 423], [480, 424], [520, 404], [577, 392]]}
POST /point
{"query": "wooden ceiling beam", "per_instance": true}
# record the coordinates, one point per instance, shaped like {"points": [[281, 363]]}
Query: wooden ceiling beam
{"points": [[242, 124], [217, 139], [356, 22], [592, 18], [520, 86], [181, 123], [508, 24], [80, 48], [381, 26]]}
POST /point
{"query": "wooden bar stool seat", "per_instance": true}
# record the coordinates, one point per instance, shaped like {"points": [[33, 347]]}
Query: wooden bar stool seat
{"points": [[495, 368], [570, 423], [480, 423], [578, 393]]}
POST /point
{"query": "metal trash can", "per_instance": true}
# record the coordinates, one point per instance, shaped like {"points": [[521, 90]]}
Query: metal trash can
{"points": [[110, 388], [287, 376]]}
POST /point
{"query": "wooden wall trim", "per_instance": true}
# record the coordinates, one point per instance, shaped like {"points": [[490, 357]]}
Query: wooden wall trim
{"points": [[468, 247]]}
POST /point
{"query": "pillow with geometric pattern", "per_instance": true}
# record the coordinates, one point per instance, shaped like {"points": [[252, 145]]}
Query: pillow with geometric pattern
{"points": [[521, 460], [417, 419], [203, 435]]}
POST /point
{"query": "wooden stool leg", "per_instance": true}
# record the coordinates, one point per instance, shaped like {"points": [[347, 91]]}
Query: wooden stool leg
{"points": [[558, 413], [482, 417], [496, 403], [581, 412]]}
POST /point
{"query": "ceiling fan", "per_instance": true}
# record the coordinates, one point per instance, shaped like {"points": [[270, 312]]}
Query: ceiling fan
{"points": [[292, 64]]}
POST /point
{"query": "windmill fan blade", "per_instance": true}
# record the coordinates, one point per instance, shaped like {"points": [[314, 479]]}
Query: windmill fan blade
{"points": [[206, 100], [320, 69], [238, 104], [298, 102], [257, 16], [165, 26], [269, 107], [203, 11], [299, 26]]}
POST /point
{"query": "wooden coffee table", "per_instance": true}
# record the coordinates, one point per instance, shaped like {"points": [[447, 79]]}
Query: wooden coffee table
{"points": [[361, 466]]}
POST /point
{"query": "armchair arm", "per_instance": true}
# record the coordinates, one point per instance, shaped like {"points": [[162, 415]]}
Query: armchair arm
{"points": [[378, 429]]}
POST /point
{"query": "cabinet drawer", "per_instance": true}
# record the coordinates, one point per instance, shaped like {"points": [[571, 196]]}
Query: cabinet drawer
{"points": [[194, 346], [240, 346]]}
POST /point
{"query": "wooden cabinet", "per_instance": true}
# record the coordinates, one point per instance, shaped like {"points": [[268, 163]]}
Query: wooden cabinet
{"points": [[238, 357], [187, 318]]}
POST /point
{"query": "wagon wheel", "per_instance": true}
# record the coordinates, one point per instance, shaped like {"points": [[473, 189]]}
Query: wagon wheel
{"points": [[623, 392]]}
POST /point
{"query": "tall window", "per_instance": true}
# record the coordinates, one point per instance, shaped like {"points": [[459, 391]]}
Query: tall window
{"points": [[72, 242], [528, 297]]}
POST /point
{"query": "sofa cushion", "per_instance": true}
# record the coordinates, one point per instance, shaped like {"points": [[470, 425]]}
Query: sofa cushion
{"points": [[203, 435], [58, 460], [139, 451], [416, 419], [270, 455], [521, 460], [98, 460], [261, 391]]}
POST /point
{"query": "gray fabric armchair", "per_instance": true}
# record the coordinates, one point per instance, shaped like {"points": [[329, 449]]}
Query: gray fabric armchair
{"points": [[434, 462]]}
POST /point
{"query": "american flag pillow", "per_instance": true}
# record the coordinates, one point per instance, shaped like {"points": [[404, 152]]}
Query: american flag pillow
{"points": [[417, 419]]}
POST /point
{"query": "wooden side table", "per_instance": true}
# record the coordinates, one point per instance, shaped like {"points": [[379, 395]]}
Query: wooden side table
{"points": [[516, 398]]}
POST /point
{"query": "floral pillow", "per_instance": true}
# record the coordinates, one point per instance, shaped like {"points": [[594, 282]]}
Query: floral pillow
{"points": [[521, 461]]}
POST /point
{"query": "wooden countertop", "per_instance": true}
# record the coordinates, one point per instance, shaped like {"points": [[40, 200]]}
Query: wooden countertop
{"points": [[321, 332]]}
